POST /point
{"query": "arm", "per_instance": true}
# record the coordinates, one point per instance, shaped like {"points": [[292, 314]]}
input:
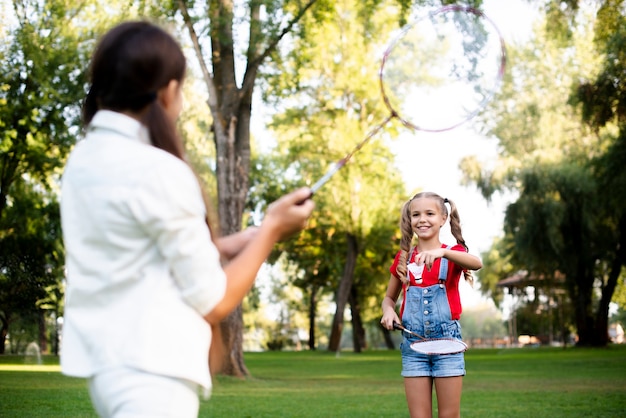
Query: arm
{"points": [[465, 260], [231, 245], [460, 258], [284, 217], [389, 303]]}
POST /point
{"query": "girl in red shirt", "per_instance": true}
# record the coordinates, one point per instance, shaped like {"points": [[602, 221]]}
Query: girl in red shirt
{"points": [[431, 305]]}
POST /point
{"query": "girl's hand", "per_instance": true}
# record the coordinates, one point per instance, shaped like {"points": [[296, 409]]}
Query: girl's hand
{"points": [[231, 245], [428, 257], [389, 317], [290, 213]]}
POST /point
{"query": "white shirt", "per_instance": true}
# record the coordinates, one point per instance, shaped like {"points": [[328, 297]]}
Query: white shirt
{"points": [[142, 270]]}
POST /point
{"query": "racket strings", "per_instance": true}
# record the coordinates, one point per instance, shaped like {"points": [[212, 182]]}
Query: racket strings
{"points": [[440, 72], [443, 69], [439, 346], [433, 345]]}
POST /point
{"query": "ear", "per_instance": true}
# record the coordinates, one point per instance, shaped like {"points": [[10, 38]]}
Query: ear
{"points": [[167, 94]]}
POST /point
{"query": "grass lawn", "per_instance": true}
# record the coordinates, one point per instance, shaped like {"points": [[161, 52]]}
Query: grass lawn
{"points": [[537, 383]]}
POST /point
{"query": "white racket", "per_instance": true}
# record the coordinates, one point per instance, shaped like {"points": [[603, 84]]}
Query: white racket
{"points": [[438, 73], [433, 346]]}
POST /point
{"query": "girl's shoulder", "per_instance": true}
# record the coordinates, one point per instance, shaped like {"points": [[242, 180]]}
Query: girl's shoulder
{"points": [[455, 247]]}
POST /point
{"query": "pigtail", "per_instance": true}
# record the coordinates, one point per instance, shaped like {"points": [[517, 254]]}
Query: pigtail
{"points": [[455, 228], [405, 241]]}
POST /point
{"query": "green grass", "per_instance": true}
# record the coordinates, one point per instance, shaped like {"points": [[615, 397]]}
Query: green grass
{"points": [[545, 382]]}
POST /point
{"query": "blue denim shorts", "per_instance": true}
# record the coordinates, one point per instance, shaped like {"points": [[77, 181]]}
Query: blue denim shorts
{"points": [[427, 313], [416, 364]]}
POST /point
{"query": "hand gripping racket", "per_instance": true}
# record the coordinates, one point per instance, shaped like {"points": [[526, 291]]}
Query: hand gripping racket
{"points": [[439, 72], [432, 346]]}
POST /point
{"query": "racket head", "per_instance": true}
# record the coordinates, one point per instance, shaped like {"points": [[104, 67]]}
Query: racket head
{"points": [[438, 346], [442, 69]]}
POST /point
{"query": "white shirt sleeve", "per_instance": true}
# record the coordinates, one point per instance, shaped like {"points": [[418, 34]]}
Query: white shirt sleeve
{"points": [[171, 208]]}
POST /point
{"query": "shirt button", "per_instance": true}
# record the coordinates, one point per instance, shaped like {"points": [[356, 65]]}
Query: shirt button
{"points": [[425, 312], [425, 302], [427, 323], [425, 291]]}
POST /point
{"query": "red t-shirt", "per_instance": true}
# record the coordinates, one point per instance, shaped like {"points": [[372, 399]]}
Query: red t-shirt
{"points": [[431, 277]]}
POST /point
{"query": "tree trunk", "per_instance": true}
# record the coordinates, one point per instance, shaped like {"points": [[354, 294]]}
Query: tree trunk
{"points": [[55, 337], [312, 314], [4, 330], [601, 328], [358, 332], [343, 293], [387, 337], [232, 336], [231, 109], [233, 156], [582, 313], [43, 339]]}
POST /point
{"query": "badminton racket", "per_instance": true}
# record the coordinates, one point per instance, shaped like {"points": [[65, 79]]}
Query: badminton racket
{"points": [[433, 346], [439, 72]]}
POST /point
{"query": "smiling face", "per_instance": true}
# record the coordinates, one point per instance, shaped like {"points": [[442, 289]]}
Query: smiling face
{"points": [[427, 218]]}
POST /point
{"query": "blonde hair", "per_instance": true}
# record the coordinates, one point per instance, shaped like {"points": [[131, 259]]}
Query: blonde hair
{"points": [[408, 234]]}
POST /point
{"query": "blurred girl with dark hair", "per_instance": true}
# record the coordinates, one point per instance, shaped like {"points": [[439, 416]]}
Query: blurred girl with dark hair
{"points": [[144, 272]]}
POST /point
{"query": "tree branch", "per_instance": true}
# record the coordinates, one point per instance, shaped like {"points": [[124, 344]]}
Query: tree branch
{"points": [[206, 74], [254, 62]]}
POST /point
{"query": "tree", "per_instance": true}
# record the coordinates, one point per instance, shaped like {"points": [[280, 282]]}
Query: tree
{"points": [[230, 98], [42, 61], [558, 225], [32, 260], [333, 97], [603, 103], [230, 102]]}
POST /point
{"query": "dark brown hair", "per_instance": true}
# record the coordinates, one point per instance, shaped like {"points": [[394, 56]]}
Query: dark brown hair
{"points": [[407, 230], [131, 63]]}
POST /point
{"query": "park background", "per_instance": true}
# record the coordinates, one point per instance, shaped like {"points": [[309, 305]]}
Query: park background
{"points": [[538, 176]]}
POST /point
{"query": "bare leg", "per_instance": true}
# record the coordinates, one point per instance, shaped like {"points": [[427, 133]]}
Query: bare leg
{"points": [[419, 396], [449, 396]]}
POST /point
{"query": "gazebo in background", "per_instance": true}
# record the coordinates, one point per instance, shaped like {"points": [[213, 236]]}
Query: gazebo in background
{"points": [[547, 294]]}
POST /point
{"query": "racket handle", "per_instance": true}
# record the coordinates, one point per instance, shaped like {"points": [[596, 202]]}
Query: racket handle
{"points": [[328, 175], [318, 184], [307, 198], [401, 328]]}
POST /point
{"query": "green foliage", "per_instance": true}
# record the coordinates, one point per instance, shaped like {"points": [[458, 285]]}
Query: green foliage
{"points": [[484, 323], [31, 260], [496, 266], [555, 203], [603, 100], [42, 76], [332, 101], [561, 152], [620, 296], [44, 56]]}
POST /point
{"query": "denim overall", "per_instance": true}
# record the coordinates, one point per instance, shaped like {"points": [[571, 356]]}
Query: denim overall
{"points": [[427, 313]]}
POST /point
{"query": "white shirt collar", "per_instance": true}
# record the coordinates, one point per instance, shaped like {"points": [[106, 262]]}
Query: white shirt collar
{"points": [[122, 124]]}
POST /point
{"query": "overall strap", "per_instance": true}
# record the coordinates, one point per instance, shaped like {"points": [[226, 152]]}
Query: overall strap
{"points": [[443, 267]]}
